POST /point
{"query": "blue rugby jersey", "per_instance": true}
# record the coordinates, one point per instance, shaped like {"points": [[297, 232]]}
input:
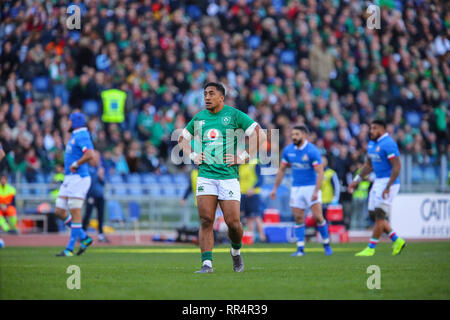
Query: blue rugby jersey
{"points": [[79, 143], [380, 152], [302, 160]]}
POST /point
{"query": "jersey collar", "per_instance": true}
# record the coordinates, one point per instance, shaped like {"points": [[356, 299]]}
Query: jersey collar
{"points": [[302, 147], [79, 130], [382, 137]]}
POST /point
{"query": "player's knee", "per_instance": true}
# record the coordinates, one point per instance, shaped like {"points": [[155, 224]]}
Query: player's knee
{"points": [[372, 215], [299, 220], [380, 214], [60, 204], [318, 218], [206, 222], [75, 203], [234, 225]]}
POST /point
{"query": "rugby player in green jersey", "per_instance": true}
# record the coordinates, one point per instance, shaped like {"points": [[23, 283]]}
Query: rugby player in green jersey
{"points": [[217, 131]]}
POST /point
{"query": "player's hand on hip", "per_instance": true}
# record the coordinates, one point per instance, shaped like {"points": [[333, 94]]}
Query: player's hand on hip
{"points": [[233, 160], [197, 158], [385, 194], [74, 167]]}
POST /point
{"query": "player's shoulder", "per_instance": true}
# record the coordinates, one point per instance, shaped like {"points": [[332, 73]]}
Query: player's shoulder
{"points": [[289, 147], [389, 141], [233, 110], [200, 114], [82, 135], [312, 147]]}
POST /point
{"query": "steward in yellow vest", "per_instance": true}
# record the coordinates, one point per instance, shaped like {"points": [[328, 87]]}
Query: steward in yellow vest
{"points": [[331, 188], [113, 105]]}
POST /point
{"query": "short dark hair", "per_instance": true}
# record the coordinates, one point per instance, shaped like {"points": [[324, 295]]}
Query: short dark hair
{"points": [[217, 85], [301, 127], [379, 122]]}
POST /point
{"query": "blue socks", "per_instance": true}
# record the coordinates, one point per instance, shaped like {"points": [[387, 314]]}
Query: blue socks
{"points": [[76, 232], [373, 243], [323, 230], [300, 235], [73, 236], [393, 235]]}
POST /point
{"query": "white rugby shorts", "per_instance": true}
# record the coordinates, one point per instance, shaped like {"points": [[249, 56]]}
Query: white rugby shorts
{"points": [[75, 186], [227, 189], [376, 194], [301, 197]]}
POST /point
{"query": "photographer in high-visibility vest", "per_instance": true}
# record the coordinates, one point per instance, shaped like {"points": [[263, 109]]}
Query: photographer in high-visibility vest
{"points": [[113, 105]]}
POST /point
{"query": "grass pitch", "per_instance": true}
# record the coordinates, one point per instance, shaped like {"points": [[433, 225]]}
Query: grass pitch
{"points": [[421, 271]]}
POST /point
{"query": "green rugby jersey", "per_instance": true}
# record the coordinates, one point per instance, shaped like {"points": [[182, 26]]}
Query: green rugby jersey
{"points": [[213, 127]]}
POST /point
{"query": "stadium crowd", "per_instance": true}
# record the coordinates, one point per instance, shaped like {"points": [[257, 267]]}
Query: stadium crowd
{"points": [[283, 63]]}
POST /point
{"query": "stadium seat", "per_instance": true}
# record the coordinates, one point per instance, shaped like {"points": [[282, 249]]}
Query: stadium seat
{"points": [[148, 178], [136, 191], [155, 191], [41, 84], [254, 41], [430, 174], [180, 179], [134, 212], [165, 179], [115, 178], [416, 174], [134, 178], [288, 57], [115, 212], [91, 107], [170, 191], [120, 190]]}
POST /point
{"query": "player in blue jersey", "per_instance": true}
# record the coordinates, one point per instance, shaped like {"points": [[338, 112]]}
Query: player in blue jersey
{"points": [[79, 151], [383, 159], [307, 174]]}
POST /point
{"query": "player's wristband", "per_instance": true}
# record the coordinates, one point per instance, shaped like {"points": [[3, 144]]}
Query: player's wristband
{"points": [[244, 155], [357, 178], [74, 164], [193, 155]]}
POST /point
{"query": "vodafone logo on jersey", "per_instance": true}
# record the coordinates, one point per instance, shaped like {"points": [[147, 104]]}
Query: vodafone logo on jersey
{"points": [[213, 134]]}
